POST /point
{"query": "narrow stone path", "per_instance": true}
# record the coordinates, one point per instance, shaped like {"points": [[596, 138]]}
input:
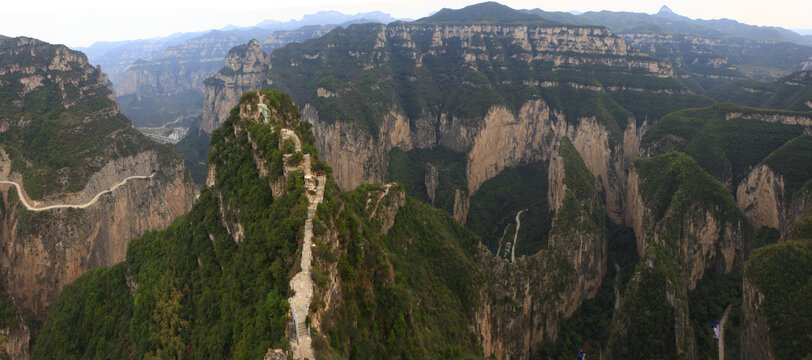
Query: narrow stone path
{"points": [[516, 236], [722, 333], [302, 282], [24, 198]]}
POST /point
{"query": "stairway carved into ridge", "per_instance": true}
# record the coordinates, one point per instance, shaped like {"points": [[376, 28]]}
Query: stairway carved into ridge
{"points": [[302, 282]]}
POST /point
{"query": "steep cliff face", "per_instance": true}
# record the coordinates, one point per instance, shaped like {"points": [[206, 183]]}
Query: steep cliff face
{"points": [[116, 183], [776, 192], [687, 225], [547, 87], [525, 300], [696, 59], [175, 83], [246, 69], [756, 333], [775, 279], [713, 233], [760, 196], [44, 251]]}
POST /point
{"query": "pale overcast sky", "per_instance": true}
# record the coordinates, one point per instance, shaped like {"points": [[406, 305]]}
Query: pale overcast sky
{"points": [[82, 22]]}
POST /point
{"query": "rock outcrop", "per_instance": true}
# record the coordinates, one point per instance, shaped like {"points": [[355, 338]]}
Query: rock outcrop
{"points": [[96, 148], [499, 134], [431, 181], [15, 340], [525, 300], [686, 224], [756, 331], [775, 193], [246, 69], [44, 251]]}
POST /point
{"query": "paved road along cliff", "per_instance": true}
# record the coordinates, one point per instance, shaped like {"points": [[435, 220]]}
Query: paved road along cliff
{"points": [[24, 197]]}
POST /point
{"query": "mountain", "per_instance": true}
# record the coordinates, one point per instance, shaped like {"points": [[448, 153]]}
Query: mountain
{"points": [[77, 180], [705, 53], [425, 86], [482, 13], [231, 262], [116, 56], [165, 85], [373, 244], [774, 277], [479, 183], [792, 92]]}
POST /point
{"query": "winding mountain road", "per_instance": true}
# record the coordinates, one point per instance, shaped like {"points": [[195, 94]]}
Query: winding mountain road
{"points": [[24, 198], [516, 236]]}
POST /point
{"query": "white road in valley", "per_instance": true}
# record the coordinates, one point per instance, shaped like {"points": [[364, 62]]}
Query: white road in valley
{"points": [[516, 236], [22, 195]]}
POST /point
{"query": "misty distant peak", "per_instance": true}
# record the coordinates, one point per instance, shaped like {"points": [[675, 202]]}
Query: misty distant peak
{"points": [[665, 10]]}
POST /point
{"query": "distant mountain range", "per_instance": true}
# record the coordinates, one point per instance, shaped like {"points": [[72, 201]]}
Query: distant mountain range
{"points": [[115, 57]]}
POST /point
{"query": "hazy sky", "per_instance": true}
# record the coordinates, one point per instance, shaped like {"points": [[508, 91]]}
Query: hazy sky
{"points": [[82, 22]]}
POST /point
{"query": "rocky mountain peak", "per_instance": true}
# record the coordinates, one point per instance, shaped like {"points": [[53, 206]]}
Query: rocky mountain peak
{"points": [[30, 64], [665, 10], [248, 57], [486, 12]]}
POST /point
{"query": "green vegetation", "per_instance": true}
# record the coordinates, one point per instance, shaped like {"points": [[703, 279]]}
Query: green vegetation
{"points": [[71, 129], [483, 13], [593, 320], [647, 314], [782, 273], [368, 86], [8, 311], [90, 318], [726, 148], [577, 177], [789, 93], [494, 206], [794, 162], [194, 149], [149, 110], [409, 169], [191, 290], [708, 302], [675, 183], [425, 259]]}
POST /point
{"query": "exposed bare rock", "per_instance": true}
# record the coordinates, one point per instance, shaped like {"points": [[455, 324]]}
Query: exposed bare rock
{"points": [[275, 354], [355, 156], [44, 251], [503, 140], [773, 118], [760, 196], [15, 340], [527, 298], [763, 198], [125, 183], [756, 331], [246, 69], [462, 203], [555, 182], [431, 181]]}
